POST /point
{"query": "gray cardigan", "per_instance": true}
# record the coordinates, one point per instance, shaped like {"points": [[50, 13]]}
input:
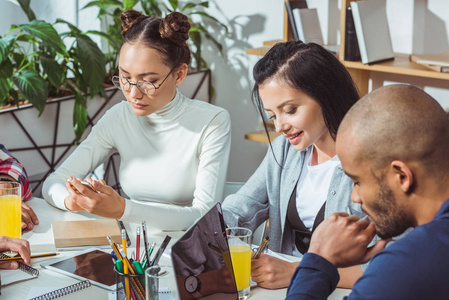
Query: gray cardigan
{"points": [[267, 193]]}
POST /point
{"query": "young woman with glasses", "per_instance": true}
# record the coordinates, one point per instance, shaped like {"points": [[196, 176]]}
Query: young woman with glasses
{"points": [[173, 150], [306, 91]]}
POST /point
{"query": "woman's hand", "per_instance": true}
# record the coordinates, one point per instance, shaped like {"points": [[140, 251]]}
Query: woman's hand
{"points": [[103, 201], [17, 245], [272, 273]]}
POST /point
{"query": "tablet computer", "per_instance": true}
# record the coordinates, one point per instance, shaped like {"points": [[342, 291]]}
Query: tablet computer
{"points": [[93, 264]]}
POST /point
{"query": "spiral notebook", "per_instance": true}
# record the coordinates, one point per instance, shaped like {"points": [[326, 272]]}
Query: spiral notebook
{"points": [[25, 272], [48, 293]]}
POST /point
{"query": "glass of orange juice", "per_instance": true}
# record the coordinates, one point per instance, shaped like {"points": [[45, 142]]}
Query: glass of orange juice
{"points": [[239, 240], [10, 209]]}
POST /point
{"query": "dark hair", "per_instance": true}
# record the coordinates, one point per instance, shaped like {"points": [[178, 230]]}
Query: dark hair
{"points": [[314, 71], [168, 35]]}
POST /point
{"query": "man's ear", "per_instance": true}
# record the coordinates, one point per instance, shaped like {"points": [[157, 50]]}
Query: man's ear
{"points": [[181, 73], [402, 175]]}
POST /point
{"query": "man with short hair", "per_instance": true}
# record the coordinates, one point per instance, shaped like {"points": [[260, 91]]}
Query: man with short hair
{"points": [[394, 145]]}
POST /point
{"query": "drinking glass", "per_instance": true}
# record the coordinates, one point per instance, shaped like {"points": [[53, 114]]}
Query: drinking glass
{"points": [[239, 240], [160, 283], [10, 209]]}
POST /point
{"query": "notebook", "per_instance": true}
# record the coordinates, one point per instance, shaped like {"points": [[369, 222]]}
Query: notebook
{"points": [[48, 293], [203, 249], [290, 6], [373, 32], [24, 272], [84, 233]]}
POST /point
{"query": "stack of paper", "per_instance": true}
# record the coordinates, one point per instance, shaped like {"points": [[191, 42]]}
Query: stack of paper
{"points": [[438, 62]]}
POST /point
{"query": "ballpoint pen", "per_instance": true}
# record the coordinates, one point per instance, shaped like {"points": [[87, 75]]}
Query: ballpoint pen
{"points": [[262, 247], [145, 241]]}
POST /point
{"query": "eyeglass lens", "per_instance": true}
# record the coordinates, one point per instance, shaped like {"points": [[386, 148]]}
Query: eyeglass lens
{"points": [[144, 86]]}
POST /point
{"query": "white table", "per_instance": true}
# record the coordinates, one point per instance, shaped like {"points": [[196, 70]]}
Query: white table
{"points": [[41, 240]]}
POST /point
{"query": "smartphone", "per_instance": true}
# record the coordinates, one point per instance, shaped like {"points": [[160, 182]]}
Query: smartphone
{"points": [[86, 184]]}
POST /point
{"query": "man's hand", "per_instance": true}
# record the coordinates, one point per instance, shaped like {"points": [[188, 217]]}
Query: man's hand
{"points": [[17, 245], [343, 240], [103, 201], [272, 273], [29, 217]]}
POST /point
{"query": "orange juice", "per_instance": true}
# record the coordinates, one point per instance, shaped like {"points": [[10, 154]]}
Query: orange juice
{"points": [[10, 216], [241, 263]]}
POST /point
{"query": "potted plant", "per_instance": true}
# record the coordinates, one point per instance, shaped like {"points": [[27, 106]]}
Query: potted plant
{"points": [[35, 65]]}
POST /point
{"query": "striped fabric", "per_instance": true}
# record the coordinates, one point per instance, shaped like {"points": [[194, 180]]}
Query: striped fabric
{"points": [[11, 166]]}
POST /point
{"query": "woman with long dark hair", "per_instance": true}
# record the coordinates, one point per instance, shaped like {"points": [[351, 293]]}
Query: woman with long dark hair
{"points": [[306, 91]]}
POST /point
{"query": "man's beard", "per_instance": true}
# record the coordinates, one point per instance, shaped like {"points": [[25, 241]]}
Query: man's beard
{"points": [[391, 219]]}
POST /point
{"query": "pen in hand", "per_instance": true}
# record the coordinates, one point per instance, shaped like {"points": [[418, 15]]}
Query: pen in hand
{"points": [[262, 247]]}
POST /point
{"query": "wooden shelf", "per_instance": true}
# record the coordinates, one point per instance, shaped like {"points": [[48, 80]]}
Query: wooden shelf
{"points": [[261, 136], [400, 65], [258, 51]]}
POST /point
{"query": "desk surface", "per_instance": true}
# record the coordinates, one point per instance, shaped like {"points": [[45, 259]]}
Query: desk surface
{"points": [[41, 240]]}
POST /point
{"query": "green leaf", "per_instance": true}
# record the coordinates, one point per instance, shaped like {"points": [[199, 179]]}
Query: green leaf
{"points": [[174, 4], [128, 4], [25, 5], [54, 71], [33, 87], [206, 15], [190, 5], [45, 32], [5, 79], [79, 115], [92, 63], [109, 38], [103, 4], [74, 30], [6, 45]]}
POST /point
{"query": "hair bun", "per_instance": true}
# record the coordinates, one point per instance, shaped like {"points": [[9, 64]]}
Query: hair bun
{"points": [[129, 18], [175, 27]]}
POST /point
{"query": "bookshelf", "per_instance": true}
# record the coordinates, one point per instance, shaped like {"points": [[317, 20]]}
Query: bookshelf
{"points": [[361, 73], [400, 65]]}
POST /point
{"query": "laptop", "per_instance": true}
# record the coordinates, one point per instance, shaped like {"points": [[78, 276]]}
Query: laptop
{"points": [[202, 262]]}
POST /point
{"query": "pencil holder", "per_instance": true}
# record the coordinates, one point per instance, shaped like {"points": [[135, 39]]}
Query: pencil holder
{"points": [[131, 285]]}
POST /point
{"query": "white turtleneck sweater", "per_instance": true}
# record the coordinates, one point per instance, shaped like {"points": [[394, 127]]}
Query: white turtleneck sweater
{"points": [[173, 162]]}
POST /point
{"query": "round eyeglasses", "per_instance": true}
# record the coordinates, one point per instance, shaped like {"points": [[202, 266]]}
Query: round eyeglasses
{"points": [[145, 87]]}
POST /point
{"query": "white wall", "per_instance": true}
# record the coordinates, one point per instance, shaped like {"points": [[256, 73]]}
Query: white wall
{"points": [[416, 26]]}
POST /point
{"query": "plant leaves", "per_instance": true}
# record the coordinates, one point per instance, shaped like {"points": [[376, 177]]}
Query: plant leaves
{"points": [[54, 71], [92, 63], [79, 115], [174, 4], [110, 40], [45, 32], [74, 30], [5, 79], [6, 45], [128, 4], [33, 87], [206, 15], [190, 5], [103, 4], [25, 5]]}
